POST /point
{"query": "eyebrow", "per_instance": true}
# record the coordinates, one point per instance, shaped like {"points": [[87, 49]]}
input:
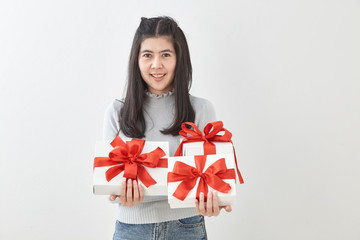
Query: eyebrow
{"points": [[162, 51]]}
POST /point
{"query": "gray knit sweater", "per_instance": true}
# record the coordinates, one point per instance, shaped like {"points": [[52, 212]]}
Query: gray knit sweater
{"points": [[159, 114]]}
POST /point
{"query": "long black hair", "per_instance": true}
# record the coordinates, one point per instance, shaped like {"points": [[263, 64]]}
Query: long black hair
{"points": [[132, 122]]}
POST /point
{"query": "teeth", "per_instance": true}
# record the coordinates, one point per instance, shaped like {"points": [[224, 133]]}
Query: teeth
{"points": [[157, 75]]}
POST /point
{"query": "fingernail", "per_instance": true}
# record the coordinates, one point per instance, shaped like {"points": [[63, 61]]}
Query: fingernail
{"points": [[134, 182]]}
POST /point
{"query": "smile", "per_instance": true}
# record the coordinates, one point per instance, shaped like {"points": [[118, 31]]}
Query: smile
{"points": [[157, 75]]}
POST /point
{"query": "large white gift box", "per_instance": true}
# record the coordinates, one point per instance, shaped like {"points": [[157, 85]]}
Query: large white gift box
{"points": [[103, 187], [224, 198]]}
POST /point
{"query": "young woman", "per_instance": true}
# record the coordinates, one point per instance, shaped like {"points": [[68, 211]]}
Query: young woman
{"points": [[157, 102]]}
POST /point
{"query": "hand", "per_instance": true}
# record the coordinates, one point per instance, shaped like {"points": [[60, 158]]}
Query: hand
{"points": [[211, 207], [131, 193]]}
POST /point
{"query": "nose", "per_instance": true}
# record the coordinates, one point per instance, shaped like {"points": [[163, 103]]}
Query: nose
{"points": [[157, 63]]}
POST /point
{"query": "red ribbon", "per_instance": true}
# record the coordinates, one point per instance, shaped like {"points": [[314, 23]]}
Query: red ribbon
{"points": [[212, 176], [211, 134], [127, 157]]}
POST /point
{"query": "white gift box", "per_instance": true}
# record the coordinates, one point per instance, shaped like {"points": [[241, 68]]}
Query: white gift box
{"points": [[197, 148], [102, 187], [189, 201]]}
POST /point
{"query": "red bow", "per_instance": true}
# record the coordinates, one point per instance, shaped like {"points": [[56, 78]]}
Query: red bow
{"points": [[127, 157], [211, 135], [212, 176]]}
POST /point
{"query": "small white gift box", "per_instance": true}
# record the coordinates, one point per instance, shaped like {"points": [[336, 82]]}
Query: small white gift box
{"points": [[189, 201], [103, 187], [197, 148]]}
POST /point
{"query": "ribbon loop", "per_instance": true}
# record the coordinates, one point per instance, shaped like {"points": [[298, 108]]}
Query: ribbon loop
{"points": [[187, 131]]}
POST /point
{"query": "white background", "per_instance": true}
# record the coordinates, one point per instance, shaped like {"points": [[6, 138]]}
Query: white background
{"points": [[283, 75]]}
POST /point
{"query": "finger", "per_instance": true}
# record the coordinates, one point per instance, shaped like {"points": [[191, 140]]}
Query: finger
{"points": [[202, 205], [113, 197], [136, 192], [123, 193], [129, 193], [216, 209], [197, 206], [141, 193], [228, 208], [209, 204]]}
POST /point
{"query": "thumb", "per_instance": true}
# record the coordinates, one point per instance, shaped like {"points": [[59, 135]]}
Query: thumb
{"points": [[228, 208]]}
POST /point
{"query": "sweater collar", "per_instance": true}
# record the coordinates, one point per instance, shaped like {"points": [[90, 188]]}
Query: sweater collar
{"points": [[163, 95], [163, 100]]}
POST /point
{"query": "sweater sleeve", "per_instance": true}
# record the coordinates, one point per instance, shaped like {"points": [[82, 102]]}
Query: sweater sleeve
{"points": [[111, 121], [204, 112]]}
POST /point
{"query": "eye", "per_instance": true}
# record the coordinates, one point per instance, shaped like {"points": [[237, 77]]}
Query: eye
{"points": [[166, 55], [147, 55]]}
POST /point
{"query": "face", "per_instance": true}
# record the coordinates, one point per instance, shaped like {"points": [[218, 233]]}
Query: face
{"points": [[157, 62]]}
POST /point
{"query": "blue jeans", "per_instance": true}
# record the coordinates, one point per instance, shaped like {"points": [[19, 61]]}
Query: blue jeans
{"points": [[187, 228]]}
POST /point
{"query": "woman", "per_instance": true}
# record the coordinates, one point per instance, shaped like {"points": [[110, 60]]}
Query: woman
{"points": [[157, 102]]}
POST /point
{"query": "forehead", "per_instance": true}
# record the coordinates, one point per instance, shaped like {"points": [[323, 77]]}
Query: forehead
{"points": [[157, 44]]}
